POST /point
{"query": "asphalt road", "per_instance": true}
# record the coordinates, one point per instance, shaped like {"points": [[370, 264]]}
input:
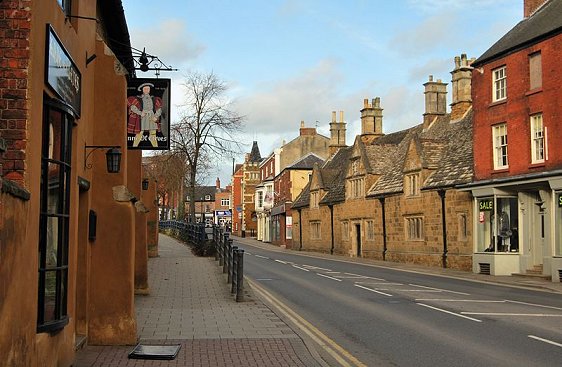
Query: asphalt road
{"points": [[387, 317]]}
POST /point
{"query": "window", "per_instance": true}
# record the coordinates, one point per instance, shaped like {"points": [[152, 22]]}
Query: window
{"points": [[225, 202], [463, 227], [314, 196], [414, 228], [499, 84], [499, 133], [356, 188], [412, 185], [497, 228], [355, 167], [207, 197], [370, 230], [535, 71], [345, 230], [315, 230], [558, 224], [260, 199], [537, 139], [54, 217], [65, 5]]}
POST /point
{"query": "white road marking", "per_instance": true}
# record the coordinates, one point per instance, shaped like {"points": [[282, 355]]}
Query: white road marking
{"points": [[449, 312], [372, 290], [262, 257], [315, 268], [329, 277], [365, 276], [438, 289], [421, 290], [298, 267], [457, 300], [282, 262], [545, 340], [379, 283], [511, 314], [533, 304]]}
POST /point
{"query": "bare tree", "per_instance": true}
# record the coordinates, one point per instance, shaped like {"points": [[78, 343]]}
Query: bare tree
{"points": [[207, 128]]}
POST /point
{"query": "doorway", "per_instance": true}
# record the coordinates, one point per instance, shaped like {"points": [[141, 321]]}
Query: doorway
{"points": [[538, 237], [358, 239]]}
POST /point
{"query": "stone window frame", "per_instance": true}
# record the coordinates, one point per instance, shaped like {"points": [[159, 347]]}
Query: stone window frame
{"points": [[345, 230], [413, 227], [315, 230], [462, 219], [499, 84], [370, 230], [412, 183], [356, 188], [314, 199]]}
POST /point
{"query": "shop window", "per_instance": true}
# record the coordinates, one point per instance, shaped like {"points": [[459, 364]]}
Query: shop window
{"points": [[497, 225], [558, 245], [54, 217]]}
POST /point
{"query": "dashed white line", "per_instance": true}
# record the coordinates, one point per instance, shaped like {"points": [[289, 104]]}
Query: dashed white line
{"points": [[315, 268], [262, 257], [298, 267], [457, 300], [379, 283], [372, 290], [448, 312], [282, 262], [439, 289], [533, 304], [329, 277], [545, 340]]}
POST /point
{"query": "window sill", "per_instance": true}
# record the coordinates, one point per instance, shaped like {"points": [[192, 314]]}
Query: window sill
{"points": [[497, 103], [537, 165], [500, 170], [534, 91], [53, 327], [497, 253]]}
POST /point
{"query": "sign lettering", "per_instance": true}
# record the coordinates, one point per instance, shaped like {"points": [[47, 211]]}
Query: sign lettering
{"points": [[560, 200], [486, 205]]}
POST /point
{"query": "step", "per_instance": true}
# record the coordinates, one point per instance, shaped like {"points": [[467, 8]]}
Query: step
{"points": [[532, 276]]}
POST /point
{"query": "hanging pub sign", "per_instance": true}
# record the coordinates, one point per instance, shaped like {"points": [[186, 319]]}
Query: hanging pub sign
{"points": [[61, 73], [148, 114]]}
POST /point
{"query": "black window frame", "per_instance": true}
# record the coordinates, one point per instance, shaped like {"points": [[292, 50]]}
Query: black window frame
{"points": [[57, 318]]}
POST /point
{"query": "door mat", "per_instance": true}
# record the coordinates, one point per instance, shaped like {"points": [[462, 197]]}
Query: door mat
{"points": [[155, 352]]}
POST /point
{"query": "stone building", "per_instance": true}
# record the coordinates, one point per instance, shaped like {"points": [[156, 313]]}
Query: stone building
{"points": [[73, 231], [517, 189], [394, 197]]}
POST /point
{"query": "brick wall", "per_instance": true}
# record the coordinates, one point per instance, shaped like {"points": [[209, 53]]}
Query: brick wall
{"points": [[15, 22], [520, 104]]}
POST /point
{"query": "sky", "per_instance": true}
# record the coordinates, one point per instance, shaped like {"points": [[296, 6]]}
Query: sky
{"points": [[287, 61]]}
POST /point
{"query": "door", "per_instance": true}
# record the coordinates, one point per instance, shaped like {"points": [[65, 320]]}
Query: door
{"points": [[358, 239], [538, 230]]}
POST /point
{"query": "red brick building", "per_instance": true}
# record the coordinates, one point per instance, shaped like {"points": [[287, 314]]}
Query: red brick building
{"points": [[516, 91]]}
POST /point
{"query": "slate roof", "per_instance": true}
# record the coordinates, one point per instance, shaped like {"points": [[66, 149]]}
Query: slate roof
{"points": [[306, 162], [202, 191], [255, 155], [544, 23]]}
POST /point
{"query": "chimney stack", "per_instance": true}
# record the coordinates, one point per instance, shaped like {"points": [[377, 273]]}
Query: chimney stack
{"points": [[461, 85], [435, 100], [530, 6], [371, 120], [306, 130], [337, 133], [218, 183]]}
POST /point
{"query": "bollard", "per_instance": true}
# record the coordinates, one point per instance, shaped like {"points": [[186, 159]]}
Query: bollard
{"points": [[240, 275], [227, 256], [231, 265]]}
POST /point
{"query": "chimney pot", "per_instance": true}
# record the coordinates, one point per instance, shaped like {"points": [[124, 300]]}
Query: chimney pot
{"points": [[341, 116], [333, 116], [366, 103], [431, 78], [302, 123]]}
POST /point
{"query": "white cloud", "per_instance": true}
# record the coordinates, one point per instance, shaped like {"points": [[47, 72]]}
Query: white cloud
{"points": [[169, 40], [433, 5]]}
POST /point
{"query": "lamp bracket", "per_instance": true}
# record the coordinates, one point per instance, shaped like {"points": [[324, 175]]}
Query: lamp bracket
{"points": [[94, 148], [145, 62]]}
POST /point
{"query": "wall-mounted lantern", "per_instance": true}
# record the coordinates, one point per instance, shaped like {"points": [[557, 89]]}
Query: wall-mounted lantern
{"points": [[145, 184], [113, 157]]}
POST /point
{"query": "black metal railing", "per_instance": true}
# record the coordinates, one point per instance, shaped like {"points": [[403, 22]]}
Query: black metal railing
{"points": [[229, 257]]}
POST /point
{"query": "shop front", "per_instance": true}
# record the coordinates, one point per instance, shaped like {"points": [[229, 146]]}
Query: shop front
{"points": [[518, 227]]}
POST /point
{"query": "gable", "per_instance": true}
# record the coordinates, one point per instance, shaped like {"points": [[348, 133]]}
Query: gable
{"points": [[412, 161]]}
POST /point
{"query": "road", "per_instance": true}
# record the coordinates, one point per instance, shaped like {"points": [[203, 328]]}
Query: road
{"points": [[376, 316]]}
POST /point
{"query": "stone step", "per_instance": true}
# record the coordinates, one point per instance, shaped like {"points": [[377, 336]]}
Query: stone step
{"points": [[532, 276]]}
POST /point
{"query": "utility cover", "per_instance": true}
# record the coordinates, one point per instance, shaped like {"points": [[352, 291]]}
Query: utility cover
{"points": [[155, 352]]}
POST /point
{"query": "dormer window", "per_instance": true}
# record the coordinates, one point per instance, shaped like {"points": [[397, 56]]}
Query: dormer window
{"points": [[356, 188], [412, 184], [207, 197], [355, 167], [314, 199]]}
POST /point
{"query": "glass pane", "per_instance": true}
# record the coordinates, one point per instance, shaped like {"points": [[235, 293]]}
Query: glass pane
{"points": [[485, 239], [55, 134], [51, 250], [508, 233], [50, 296], [53, 191], [558, 224]]}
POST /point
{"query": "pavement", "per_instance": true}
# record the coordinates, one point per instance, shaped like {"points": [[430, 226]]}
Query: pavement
{"points": [[190, 304]]}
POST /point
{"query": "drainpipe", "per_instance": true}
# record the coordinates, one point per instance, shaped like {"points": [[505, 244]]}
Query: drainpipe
{"points": [[300, 229], [383, 229], [444, 219], [332, 227]]}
